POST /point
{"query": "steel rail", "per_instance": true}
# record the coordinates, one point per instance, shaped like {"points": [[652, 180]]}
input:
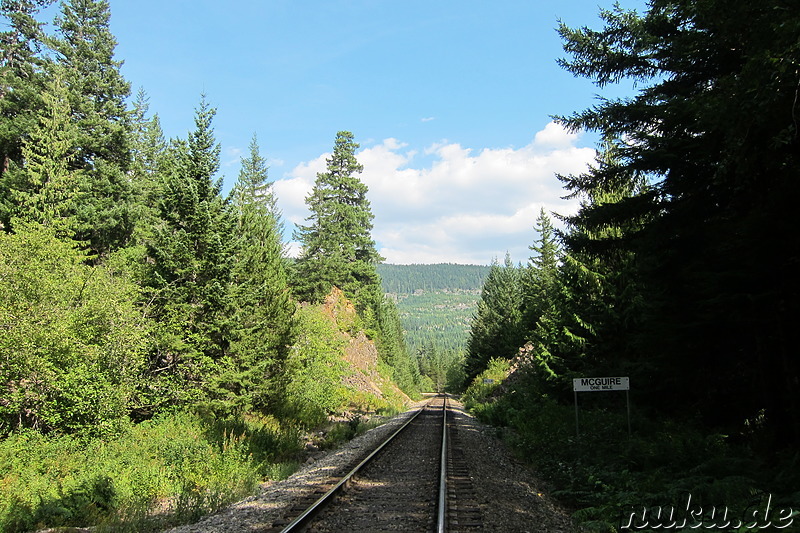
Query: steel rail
{"points": [[312, 510], [442, 507]]}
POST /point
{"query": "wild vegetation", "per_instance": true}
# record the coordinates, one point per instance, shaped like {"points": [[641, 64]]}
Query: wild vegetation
{"points": [[160, 355], [436, 304], [678, 271]]}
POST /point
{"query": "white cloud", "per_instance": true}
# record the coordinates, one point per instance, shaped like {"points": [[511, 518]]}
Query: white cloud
{"points": [[292, 192], [462, 205], [555, 135]]}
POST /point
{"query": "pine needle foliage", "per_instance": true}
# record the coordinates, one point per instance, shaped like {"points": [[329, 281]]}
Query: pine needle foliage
{"points": [[337, 246], [714, 132], [262, 314]]}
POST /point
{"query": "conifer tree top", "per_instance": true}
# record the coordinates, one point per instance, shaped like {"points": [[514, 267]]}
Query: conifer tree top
{"points": [[337, 245]]}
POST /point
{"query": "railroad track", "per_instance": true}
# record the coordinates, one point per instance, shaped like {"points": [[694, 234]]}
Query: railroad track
{"points": [[416, 480]]}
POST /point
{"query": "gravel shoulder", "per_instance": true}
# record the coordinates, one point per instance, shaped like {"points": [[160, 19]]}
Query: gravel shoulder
{"points": [[512, 499]]}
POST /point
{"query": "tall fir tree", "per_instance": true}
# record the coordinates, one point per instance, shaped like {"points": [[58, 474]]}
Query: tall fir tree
{"points": [[539, 277], [44, 188], [262, 317], [148, 164], [715, 130], [85, 47], [21, 86], [496, 330], [338, 249], [253, 185], [190, 255]]}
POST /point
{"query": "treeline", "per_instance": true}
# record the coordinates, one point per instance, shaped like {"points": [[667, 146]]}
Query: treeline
{"points": [[131, 287], [406, 279], [437, 318], [436, 325], [678, 270], [436, 304]]}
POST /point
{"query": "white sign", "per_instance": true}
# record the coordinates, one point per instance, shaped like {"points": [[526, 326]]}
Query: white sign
{"points": [[600, 384]]}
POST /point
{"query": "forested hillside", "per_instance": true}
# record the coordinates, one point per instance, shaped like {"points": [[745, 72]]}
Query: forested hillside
{"points": [[436, 304], [158, 348], [678, 271], [406, 279]]}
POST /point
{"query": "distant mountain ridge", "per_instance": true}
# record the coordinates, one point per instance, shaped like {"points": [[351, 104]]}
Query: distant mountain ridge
{"points": [[406, 279], [436, 302]]}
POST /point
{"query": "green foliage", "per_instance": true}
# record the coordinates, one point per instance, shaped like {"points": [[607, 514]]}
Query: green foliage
{"points": [[408, 279], [443, 370], [130, 288], [314, 369], [605, 473], [662, 274], [539, 279], [186, 465], [96, 92], [713, 133], [485, 383], [261, 320], [338, 253], [148, 164], [44, 189], [390, 343], [496, 329], [73, 341], [435, 304], [20, 88], [338, 249], [438, 318], [190, 254]]}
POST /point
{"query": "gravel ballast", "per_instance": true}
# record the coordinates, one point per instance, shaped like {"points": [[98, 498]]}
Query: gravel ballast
{"points": [[511, 497]]}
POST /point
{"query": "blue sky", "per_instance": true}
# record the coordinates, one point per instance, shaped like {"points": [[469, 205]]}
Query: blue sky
{"points": [[450, 101]]}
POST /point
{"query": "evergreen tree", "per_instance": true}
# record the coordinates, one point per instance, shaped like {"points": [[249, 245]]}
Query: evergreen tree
{"points": [[148, 160], [338, 249], [382, 315], [43, 189], [21, 83], [539, 278], [263, 311], [190, 255], [496, 330], [715, 132], [85, 50], [253, 185]]}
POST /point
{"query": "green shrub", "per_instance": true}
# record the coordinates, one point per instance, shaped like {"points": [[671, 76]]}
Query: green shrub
{"points": [[181, 463], [605, 471], [486, 382], [73, 341], [315, 368]]}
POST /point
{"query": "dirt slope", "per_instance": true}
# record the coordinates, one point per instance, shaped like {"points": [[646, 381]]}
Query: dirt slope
{"points": [[360, 352]]}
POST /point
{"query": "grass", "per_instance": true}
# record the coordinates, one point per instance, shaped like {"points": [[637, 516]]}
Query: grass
{"points": [[157, 474], [160, 473], [605, 475]]}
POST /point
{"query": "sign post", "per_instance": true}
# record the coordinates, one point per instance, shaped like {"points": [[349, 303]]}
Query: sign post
{"points": [[598, 385]]}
